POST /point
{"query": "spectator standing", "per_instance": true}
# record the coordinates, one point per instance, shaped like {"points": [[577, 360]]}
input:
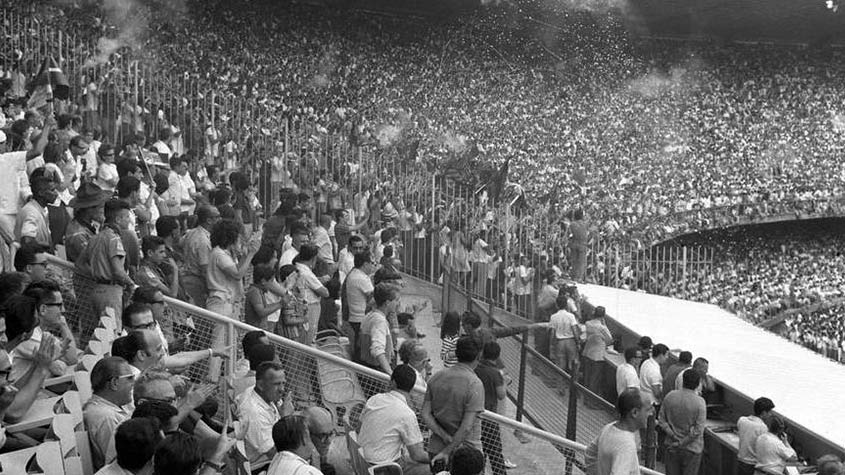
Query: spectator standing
{"points": [[311, 287], [87, 218], [579, 237], [105, 261], [626, 373], [702, 366], [453, 401], [614, 451], [357, 293], [111, 383], [564, 335], [150, 272], [748, 429], [321, 239], [450, 331], [107, 176], [494, 391], [651, 377], [546, 305], [596, 338], [180, 181], [197, 247], [225, 276], [298, 237], [682, 417], [376, 346], [346, 256], [672, 372], [33, 223], [389, 427]]}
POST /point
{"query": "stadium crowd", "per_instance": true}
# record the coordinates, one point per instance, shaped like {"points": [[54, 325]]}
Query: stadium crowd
{"points": [[146, 220]]}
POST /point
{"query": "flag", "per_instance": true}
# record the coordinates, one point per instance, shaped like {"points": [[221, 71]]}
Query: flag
{"points": [[49, 83]]}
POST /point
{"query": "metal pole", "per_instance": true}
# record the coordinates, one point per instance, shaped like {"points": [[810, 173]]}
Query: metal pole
{"points": [[523, 356]]}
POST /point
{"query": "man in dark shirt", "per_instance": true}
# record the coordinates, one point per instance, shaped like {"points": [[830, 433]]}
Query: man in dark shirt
{"points": [[494, 391]]}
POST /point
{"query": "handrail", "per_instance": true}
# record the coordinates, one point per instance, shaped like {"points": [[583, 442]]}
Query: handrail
{"points": [[221, 319]]}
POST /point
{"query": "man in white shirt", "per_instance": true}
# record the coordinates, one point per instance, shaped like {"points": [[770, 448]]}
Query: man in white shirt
{"points": [[564, 328], [702, 366], [772, 449], [321, 239], [389, 427], [259, 408], [179, 179], [290, 436], [614, 451], [651, 378], [298, 237], [111, 382], [626, 373], [135, 442], [357, 292], [346, 257], [748, 429]]}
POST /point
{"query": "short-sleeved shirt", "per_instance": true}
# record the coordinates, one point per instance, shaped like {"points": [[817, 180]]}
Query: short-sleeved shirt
{"points": [[197, 247], [288, 463], [563, 322], [101, 419], [749, 428], [77, 237], [452, 392], [613, 452], [772, 453], [33, 222], [650, 378], [102, 248], [287, 257], [626, 377], [218, 276], [308, 283], [684, 413], [358, 286], [149, 276], [260, 417], [388, 425], [323, 241], [491, 377]]}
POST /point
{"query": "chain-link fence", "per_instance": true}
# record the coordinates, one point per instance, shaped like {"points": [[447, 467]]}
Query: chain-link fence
{"points": [[325, 376]]}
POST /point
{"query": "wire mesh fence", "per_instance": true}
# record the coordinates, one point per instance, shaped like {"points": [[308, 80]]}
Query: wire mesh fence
{"points": [[321, 375]]}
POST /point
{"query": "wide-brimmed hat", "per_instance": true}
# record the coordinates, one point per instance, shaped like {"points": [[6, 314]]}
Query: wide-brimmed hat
{"points": [[89, 195]]}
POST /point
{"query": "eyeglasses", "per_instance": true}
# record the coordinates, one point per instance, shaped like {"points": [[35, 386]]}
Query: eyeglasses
{"points": [[42, 263], [166, 400], [144, 326], [130, 377], [55, 304]]}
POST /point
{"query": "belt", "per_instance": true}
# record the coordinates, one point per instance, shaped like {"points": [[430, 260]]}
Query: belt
{"points": [[108, 282], [566, 338]]}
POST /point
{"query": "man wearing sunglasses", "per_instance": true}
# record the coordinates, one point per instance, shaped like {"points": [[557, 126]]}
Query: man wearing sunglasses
{"points": [[111, 383], [49, 307]]}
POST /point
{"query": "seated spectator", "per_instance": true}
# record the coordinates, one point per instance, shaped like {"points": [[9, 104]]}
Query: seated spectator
{"points": [[180, 453], [772, 448], [139, 316], [321, 426], [49, 306], [111, 383], [157, 386], [466, 461], [291, 446], [19, 321], [258, 354], [250, 339], [389, 427], [176, 332], [166, 416], [259, 407], [31, 259], [135, 442], [142, 349], [415, 355]]}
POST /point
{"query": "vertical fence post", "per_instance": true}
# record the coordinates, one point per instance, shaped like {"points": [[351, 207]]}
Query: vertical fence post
{"points": [[523, 359], [571, 415]]}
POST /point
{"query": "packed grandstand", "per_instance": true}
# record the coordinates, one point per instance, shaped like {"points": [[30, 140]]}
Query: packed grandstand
{"points": [[499, 149]]}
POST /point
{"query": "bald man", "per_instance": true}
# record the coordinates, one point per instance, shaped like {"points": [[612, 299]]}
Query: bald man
{"points": [[321, 429]]}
